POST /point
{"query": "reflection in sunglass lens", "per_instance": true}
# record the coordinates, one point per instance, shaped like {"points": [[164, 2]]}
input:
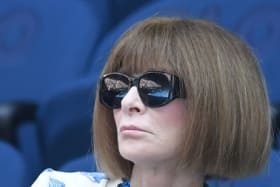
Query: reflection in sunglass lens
{"points": [[114, 88], [154, 89]]}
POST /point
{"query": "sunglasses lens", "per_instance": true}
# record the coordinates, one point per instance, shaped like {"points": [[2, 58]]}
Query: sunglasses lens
{"points": [[113, 89], [154, 89]]}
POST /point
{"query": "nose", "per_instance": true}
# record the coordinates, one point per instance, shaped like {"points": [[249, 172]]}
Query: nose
{"points": [[132, 102]]}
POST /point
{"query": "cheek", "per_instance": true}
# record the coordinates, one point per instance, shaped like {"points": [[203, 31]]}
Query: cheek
{"points": [[171, 123], [175, 114], [177, 119]]}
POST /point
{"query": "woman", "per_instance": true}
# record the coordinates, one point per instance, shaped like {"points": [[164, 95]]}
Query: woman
{"points": [[179, 100]]}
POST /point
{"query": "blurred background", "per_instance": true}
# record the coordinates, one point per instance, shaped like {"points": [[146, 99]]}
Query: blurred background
{"points": [[51, 55]]}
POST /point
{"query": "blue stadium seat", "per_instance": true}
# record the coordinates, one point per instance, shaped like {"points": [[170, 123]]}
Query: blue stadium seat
{"points": [[276, 125], [83, 163], [45, 44], [13, 171], [65, 123], [269, 178], [11, 115], [28, 145], [120, 9]]}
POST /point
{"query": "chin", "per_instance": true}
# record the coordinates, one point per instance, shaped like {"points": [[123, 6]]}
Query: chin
{"points": [[140, 157], [129, 153]]}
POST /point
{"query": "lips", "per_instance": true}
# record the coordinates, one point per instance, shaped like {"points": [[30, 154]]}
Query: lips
{"points": [[131, 128]]}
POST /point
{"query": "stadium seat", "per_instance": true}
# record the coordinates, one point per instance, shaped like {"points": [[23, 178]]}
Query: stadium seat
{"points": [[84, 163], [123, 8], [269, 178], [11, 115], [13, 171], [45, 44], [65, 123]]}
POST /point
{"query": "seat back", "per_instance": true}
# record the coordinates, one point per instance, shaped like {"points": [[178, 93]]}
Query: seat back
{"points": [[65, 123], [44, 44], [13, 171], [85, 163]]}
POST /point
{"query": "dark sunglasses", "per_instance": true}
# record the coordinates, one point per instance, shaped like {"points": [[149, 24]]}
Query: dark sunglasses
{"points": [[155, 88]]}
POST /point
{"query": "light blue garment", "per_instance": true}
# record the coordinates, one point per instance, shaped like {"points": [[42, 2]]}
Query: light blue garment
{"points": [[53, 178]]}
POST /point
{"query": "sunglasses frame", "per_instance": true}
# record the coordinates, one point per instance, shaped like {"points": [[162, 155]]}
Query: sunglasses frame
{"points": [[174, 88]]}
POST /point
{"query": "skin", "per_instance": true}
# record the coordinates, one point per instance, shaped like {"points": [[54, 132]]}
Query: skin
{"points": [[149, 137]]}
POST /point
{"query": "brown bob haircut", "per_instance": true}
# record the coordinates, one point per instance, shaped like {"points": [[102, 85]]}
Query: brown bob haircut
{"points": [[228, 134]]}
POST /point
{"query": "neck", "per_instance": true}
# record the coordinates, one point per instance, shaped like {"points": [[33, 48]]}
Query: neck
{"points": [[165, 177]]}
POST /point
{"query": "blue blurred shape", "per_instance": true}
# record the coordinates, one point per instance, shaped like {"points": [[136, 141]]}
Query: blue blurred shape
{"points": [[45, 44], [14, 171]]}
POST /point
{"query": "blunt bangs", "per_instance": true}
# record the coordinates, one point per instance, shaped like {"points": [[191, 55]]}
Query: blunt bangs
{"points": [[149, 48]]}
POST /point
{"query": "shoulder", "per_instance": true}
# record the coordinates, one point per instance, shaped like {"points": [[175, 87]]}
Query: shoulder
{"points": [[53, 178]]}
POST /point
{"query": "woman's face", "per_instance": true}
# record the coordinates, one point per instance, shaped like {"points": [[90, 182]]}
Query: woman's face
{"points": [[149, 135]]}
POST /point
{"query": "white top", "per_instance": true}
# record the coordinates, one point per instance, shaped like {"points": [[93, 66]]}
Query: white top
{"points": [[52, 178]]}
